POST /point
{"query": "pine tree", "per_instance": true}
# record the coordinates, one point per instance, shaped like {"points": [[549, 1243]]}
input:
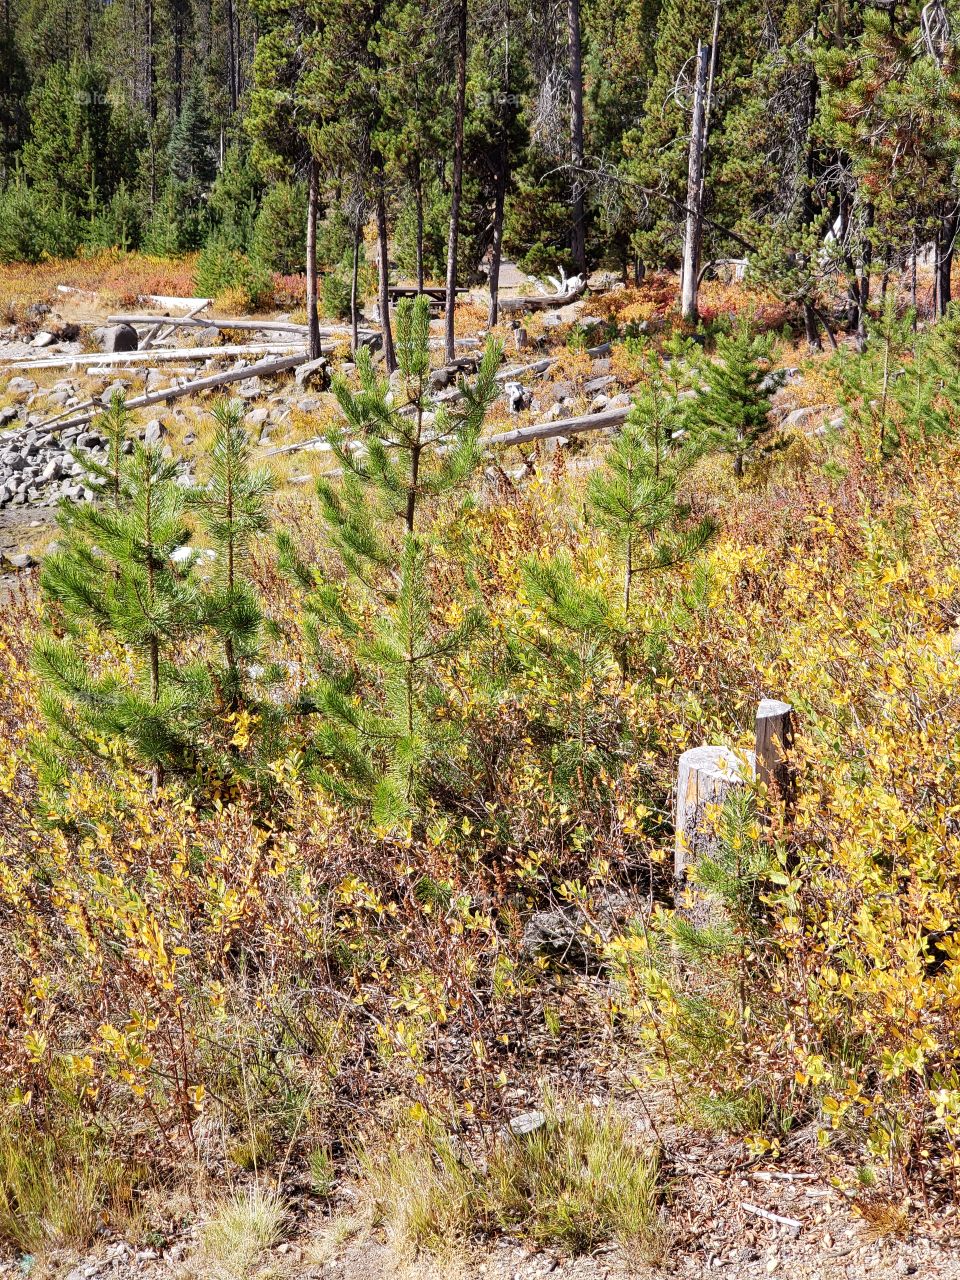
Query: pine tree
{"points": [[114, 584], [232, 511], [190, 150], [381, 636], [732, 411], [635, 498]]}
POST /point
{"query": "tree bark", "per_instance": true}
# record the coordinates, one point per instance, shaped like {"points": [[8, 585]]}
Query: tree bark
{"points": [[418, 199], [943, 266], [354, 274], [456, 194], [313, 319], [690, 274], [578, 242], [496, 249], [383, 269]]}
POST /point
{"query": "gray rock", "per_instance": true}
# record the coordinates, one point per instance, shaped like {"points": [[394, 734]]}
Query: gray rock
{"points": [[314, 374], [20, 560], [594, 385], [525, 1123], [558, 936], [43, 339], [116, 337], [115, 388], [21, 387], [154, 432]]}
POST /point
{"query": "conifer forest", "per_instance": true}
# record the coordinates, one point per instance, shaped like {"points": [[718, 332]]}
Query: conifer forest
{"points": [[479, 639]]}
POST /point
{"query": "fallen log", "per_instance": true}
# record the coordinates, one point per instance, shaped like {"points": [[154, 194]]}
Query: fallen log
{"points": [[160, 332], [148, 357], [522, 435], [194, 322], [559, 427], [161, 300], [262, 369], [541, 301]]}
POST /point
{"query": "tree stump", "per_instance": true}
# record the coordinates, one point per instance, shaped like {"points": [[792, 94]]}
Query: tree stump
{"points": [[705, 777], [774, 742]]}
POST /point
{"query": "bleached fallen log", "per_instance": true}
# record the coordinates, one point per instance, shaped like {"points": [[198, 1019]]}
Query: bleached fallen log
{"points": [[542, 302], [161, 300], [160, 332], [211, 322], [523, 435], [559, 427], [262, 369], [150, 357]]}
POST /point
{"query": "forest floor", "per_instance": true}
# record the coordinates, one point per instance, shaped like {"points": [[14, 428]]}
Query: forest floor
{"points": [[724, 1203]]}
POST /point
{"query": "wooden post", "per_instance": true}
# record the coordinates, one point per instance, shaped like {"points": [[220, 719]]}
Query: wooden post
{"points": [[774, 742]]}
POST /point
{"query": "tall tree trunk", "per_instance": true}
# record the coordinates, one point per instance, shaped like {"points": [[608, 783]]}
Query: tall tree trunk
{"points": [[690, 272], [457, 192], [496, 249], [418, 205], [863, 283], [578, 244], [383, 268], [354, 274], [943, 264], [232, 57], [313, 319]]}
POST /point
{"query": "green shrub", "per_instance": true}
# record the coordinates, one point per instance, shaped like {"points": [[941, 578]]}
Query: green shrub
{"points": [[221, 269], [335, 291], [33, 227]]}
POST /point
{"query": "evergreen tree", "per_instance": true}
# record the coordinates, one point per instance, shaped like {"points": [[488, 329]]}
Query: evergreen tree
{"points": [[114, 577], [635, 498], [381, 693], [190, 151], [732, 411], [232, 511]]}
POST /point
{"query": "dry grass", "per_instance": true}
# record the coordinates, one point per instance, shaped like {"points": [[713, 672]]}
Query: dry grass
{"points": [[56, 1186], [240, 1230], [579, 1181], [882, 1217]]}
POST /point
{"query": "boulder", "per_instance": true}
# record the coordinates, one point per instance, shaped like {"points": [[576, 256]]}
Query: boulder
{"points": [[314, 375], [43, 339], [116, 337], [21, 387], [114, 389], [154, 432], [516, 395], [558, 936]]}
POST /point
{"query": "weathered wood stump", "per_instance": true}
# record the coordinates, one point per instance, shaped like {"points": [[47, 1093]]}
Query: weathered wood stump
{"points": [[705, 777]]}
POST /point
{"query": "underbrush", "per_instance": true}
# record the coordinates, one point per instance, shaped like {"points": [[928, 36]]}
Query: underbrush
{"points": [[245, 968]]}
